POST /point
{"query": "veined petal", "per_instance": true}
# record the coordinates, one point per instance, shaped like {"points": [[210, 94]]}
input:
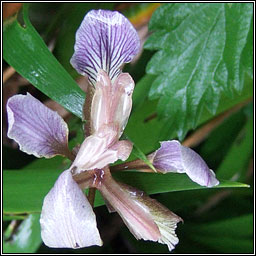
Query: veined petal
{"points": [[99, 150], [67, 219], [112, 102], [173, 157], [37, 129], [145, 217], [105, 40]]}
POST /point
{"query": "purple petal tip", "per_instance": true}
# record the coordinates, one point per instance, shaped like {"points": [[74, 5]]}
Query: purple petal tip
{"points": [[105, 40], [173, 157]]}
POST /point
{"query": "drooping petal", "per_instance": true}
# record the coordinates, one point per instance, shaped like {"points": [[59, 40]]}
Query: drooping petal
{"points": [[112, 103], [100, 149], [67, 219], [124, 149], [105, 40], [173, 157], [145, 217], [37, 129]]}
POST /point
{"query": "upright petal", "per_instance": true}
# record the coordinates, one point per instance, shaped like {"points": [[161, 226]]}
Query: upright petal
{"points": [[100, 149], [105, 40], [145, 217], [112, 103], [67, 219], [37, 129], [173, 157]]}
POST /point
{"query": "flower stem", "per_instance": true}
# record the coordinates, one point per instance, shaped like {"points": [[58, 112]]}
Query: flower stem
{"points": [[136, 164], [91, 196]]}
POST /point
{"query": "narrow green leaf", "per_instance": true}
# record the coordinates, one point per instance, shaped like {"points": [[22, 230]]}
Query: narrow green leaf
{"points": [[24, 190], [27, 239], [8, 217], [139, 154], [26, 52]]}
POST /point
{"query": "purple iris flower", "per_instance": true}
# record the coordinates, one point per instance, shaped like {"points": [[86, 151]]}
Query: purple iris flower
{"points": [[104, 42]]}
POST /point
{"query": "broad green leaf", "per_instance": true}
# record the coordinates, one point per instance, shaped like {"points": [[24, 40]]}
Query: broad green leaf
{"points": [[238, 18], [26, 52], [24, 190], [27, 238], [199, 56], [146, 129]]}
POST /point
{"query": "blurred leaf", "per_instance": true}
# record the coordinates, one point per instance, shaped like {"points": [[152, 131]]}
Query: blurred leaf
{"points": [[213, 150], [21, 158], [228, 227], [199, 52], [145, 133], [226, 244], [24, 190], [235, 164], [141, 90], [57, 162], [26, 52], [234, 235], [27, 239]]}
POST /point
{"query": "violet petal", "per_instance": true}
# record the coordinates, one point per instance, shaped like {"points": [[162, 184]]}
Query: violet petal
{"points": [[37, 129], [173, 157], [105, 40], [67, 219]]}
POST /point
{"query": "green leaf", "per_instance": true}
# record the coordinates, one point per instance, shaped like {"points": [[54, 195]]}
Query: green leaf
{"points": [[26, 52], [199, 56], [8, 217], [234, 235], [238, 18], [27, 239], [213, 150], [228, 227], [226, 244], [24, 190], [235, 164], [139, 154]]}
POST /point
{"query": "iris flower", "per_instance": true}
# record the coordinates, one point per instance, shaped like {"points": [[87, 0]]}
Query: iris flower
{"points": [[105, 41]]}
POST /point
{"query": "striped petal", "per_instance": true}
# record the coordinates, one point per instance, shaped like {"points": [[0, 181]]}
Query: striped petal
{"points": [[112, 102], [101, 149], [37, 129], [145, 217], [173, 157], [105, 40], [67, 219]]}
